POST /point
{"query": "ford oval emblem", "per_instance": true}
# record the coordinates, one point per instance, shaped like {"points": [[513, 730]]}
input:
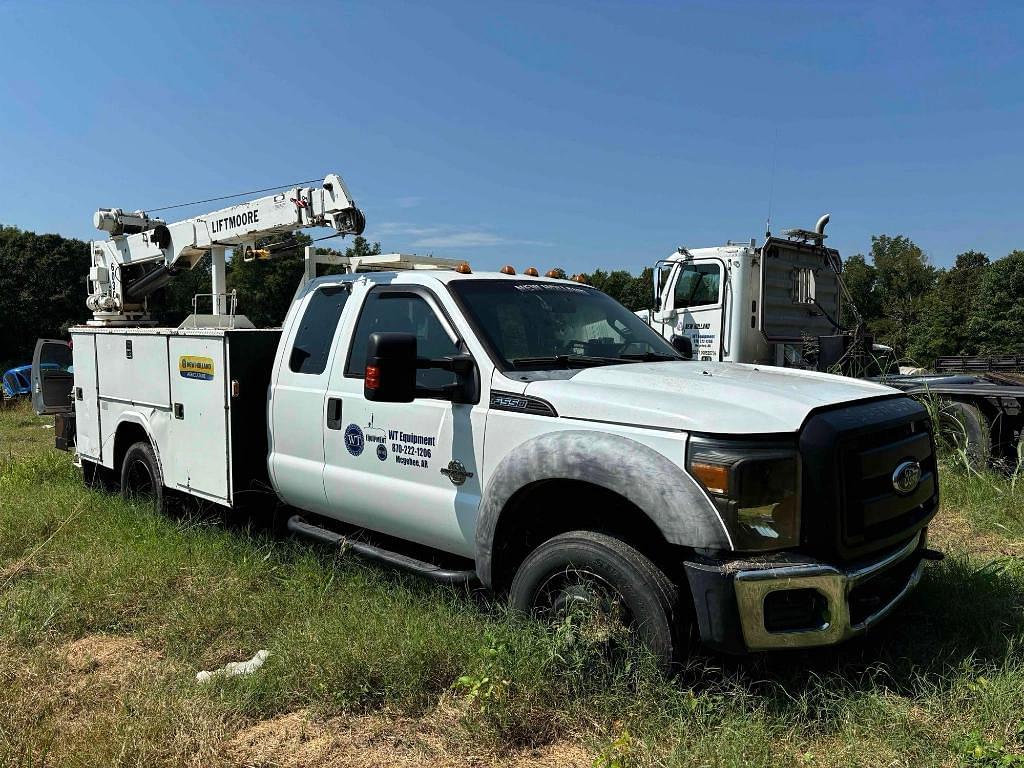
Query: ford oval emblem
{"points": [[906, 477]]}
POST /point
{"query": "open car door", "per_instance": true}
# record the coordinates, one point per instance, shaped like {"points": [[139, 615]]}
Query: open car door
{"points": [[52, 377]]}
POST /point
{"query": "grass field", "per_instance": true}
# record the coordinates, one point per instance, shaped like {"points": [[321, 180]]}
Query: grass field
{"points": [[108, 611]]}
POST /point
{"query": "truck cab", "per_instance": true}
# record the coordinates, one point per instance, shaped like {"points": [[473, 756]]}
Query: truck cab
{"points": [[536, 429], [774, 304]]}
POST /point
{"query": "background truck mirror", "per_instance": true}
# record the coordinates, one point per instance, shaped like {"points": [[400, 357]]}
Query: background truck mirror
{"points": [[683, 345], [390, 368]]}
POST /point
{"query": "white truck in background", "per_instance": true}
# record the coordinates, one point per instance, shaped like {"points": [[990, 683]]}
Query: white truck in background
{"points": [[780, 304], [525, 432]]}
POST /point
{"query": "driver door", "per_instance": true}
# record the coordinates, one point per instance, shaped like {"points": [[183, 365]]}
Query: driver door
{"points": [[695, 304]]}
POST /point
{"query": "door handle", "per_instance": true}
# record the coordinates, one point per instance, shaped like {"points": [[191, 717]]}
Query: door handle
{"points": [[334, 413]]}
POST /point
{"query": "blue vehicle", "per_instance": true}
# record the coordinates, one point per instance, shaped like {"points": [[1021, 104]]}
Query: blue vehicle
{"points": [[17, 381]]}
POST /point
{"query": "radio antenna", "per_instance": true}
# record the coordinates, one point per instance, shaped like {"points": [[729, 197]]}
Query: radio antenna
{"points": [[771, 184]]}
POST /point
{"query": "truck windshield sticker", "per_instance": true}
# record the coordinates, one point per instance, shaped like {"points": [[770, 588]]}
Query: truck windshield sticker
{"points": [[192, 367], [547, 288]]}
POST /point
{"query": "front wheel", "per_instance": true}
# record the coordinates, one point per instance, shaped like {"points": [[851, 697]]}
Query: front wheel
{"points": [[603, 575], [141, 479]]}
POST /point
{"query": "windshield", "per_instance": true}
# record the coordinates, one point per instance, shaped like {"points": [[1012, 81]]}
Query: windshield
{"points": [[533, 325]]}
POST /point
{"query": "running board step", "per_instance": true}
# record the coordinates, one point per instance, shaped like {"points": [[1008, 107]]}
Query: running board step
{"points": [[296, 524]]}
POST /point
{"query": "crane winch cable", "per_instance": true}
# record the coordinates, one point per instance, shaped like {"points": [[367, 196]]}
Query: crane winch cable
{"points": [[228, 197]]}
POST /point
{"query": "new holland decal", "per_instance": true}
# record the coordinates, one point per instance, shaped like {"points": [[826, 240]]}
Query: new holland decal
{"points": [[193, 367]]}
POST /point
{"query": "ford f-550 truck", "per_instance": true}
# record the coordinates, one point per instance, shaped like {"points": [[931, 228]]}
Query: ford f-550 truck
{"points": [[536, 436]]}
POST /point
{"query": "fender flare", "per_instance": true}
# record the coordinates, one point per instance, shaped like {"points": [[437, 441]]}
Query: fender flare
{"points": [[672, 499], [139, 419]]}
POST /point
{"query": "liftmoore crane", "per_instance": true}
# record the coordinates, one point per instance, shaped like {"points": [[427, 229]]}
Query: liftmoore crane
{"points": [[144, 253]]}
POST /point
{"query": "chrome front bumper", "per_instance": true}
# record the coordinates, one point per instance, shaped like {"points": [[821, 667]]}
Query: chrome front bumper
{"points": [[834, 584]]}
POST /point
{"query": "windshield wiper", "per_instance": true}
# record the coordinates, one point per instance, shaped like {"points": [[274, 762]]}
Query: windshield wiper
{"points": [[562, 361], [650, 357]]}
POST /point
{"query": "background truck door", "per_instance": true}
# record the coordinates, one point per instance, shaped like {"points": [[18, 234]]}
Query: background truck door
{"points": [[693, 306], [52, 377], [407, 469]]}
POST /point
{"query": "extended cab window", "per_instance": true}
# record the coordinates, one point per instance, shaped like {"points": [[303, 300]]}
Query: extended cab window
{"points": [[312, 345], [391, 312], [697, 285]]}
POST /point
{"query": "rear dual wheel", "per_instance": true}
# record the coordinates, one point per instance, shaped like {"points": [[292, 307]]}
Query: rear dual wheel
{"points": [[611, 583], [141, 479]]}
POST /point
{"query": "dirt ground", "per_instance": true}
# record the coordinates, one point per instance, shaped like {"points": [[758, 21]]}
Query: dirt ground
{"points": [[102, 669]]}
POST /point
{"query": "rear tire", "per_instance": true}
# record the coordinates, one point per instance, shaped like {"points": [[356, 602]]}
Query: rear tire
{"points": [[586, 567], [141, 478], [964, 428]]}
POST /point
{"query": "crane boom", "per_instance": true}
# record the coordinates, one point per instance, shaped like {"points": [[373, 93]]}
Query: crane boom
{"points": [[144, 253]]}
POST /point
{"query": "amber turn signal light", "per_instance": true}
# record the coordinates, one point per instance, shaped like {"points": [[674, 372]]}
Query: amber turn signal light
{"points": [[715, 477]]}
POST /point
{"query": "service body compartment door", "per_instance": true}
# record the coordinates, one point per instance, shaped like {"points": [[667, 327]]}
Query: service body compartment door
{"points": [[87, 413], [197, 459], [133, 368], [52, 377]]}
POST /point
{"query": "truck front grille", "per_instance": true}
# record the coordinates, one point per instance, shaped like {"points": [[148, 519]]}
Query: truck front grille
{"points": [[851, 506], [872, 508]]}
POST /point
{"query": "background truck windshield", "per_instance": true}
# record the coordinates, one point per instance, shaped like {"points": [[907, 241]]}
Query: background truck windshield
{"points": [[529, 324]]}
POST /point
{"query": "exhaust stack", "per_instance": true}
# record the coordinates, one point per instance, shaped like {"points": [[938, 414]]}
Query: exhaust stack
{"points": [[819, 228]]}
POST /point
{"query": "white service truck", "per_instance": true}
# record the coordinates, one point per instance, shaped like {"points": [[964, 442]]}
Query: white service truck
{"points": [[780, 304], [525, 432]]}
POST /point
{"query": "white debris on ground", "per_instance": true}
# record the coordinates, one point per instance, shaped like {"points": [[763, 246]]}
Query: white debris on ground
{"points": [[233, 668]]}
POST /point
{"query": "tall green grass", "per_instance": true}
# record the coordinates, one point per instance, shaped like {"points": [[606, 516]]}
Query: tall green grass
{"points": [[941, 682]]}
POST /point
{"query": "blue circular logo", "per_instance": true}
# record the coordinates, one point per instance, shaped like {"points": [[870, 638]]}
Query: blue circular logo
{"points": [[382, 452], [354, 439]]}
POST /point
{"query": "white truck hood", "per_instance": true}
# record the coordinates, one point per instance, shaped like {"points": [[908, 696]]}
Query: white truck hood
{"points": [[728, 398]]}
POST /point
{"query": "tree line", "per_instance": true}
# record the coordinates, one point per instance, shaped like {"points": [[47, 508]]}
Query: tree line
{"points": [[975, 307]]}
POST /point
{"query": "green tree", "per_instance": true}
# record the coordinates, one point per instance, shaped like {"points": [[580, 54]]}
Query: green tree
{"points": [[903, 279], [946, 311], [860, 279], [996, 325], [42, 289]]}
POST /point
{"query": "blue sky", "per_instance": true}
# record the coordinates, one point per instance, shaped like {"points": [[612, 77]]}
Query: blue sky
{"points": [[583, 135]]}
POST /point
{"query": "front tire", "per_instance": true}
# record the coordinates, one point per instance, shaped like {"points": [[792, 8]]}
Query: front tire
{"points": [[602, 572], [141, 479]]}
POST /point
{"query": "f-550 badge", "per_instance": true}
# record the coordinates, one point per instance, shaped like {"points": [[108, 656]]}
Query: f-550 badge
{"points": [[456, 472]]}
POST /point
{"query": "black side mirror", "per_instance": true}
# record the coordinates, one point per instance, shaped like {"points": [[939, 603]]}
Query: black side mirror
{"points": [[390, 368], [683, 345]]}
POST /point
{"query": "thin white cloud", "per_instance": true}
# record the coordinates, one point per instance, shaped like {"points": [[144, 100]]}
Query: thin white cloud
{"points": [[448, 237]]}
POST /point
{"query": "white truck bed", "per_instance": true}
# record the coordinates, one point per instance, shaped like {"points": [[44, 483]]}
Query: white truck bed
{"points": [[177, 386]]}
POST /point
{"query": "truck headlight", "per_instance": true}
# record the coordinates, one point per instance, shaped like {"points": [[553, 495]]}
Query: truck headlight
{"points": [[754, 485]]}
